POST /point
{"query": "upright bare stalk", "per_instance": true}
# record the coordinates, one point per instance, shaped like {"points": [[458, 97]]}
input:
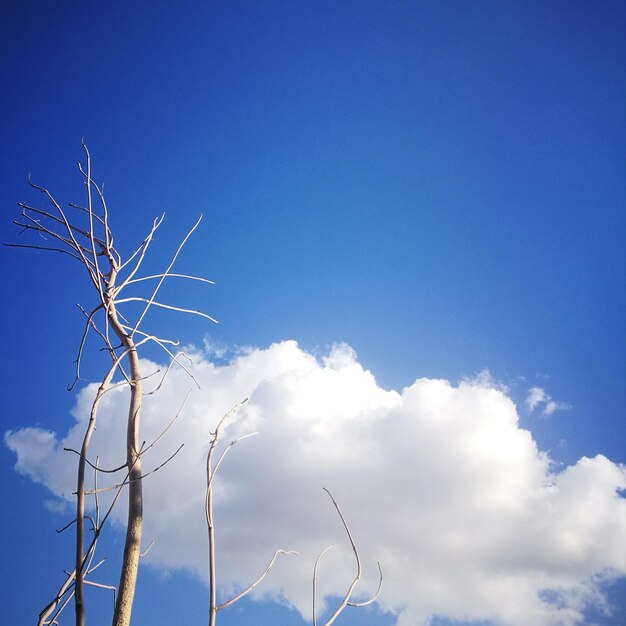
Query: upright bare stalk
{"points": [[214, 607], [80, 556]]}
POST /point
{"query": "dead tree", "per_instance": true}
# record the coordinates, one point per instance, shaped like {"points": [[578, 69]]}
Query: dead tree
{"points": [[84, 234]]}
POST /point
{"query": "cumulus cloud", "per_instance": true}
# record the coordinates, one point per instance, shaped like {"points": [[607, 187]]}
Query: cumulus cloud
{"points": [[438, 482], [537, 396]]}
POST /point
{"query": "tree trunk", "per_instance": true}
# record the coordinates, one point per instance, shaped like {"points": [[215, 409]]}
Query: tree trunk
{"points": [[132, 546]]}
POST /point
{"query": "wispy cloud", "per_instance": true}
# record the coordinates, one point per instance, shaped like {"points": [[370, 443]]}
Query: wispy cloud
{"points": [[537, 397], [438, 481]]}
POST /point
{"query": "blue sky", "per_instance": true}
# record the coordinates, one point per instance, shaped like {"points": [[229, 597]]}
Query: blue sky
{"points": [[440, 186]]}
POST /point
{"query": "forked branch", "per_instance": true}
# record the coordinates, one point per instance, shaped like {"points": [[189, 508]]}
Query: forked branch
{"points": [[357, 577], [211, 470]]}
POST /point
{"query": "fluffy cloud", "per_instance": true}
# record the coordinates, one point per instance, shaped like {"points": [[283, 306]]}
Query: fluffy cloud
{"points": [[439, 483]]}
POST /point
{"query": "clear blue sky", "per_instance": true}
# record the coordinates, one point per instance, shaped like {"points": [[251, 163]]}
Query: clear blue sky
{"points": [[439, 185]]}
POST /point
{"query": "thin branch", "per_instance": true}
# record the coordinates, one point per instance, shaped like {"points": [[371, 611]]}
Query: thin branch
{"points": [[107, 344], [102, 586], [147, 550], [150, 302], [91, 237], [96, 566], [375, 596], [54, 218], [50, 607], [182, 406], [96, 217], [187, 276], [89, 582], [53, 619], [151, 337], [84, 259], [167, 371], [96, 499], [141, 251], [95, 467], [173, 357], [226, 415], [158, 340], [169, 267], [105, 212], [261, 576], [141, 477], [38, 227], [46, 248], [346, 599], [89, 323], [224, 452], [357, 577], [208, 512], [60, 530], [317, 560]]}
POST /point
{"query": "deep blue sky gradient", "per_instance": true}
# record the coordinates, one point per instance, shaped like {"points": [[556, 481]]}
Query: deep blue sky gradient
{"points": [[440, 185]]}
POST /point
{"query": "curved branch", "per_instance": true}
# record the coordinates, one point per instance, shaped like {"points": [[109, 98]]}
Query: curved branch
{"points": [[346, 599], [81, 345], [260, 577], [317, 560], [375, 596], [95, 467], [230, 445], [173, 357], [136, 478]]}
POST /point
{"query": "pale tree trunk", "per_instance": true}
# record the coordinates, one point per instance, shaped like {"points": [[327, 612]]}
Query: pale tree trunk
{"points": [[132, 546]]}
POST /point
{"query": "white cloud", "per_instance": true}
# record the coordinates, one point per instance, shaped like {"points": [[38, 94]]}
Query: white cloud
{"points": [[439, 483], [537, 396]]}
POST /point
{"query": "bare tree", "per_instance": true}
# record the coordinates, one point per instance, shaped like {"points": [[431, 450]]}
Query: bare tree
{"points": [[84, 234]]}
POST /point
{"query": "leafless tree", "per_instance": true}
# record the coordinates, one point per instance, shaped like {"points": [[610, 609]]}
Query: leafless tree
{"points": [[84, 234]]}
